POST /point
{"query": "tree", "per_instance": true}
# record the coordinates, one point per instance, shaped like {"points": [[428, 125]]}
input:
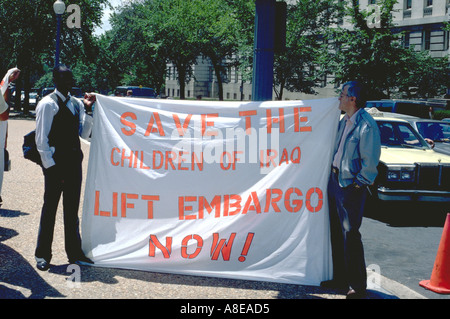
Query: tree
{"points": [[168, 25], [423, 75], [295, 67], [22, 26], [133, 50], [376, 57], [244, 13], [106, 71], [27, 34], [180, 31], [215, 30]]}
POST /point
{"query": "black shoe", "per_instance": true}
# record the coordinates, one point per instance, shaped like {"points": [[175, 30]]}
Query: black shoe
{"points": [[83, 261], [352, 294], [42, 264], [334, 284]]}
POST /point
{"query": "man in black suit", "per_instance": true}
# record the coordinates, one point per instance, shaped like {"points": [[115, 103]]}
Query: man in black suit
{"points": [[59, 120]]}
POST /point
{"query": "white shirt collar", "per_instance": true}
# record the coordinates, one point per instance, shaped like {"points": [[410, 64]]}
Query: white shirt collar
{"points": [[353, 118], [67, 103], [61, 95]]}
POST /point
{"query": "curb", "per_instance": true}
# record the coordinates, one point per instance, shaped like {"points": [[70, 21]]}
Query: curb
{"points": [[390, 289]]}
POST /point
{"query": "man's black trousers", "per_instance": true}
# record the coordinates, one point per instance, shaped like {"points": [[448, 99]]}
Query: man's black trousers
{"points": [[60, 180]]}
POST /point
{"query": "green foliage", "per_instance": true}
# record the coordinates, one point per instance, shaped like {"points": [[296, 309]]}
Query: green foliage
{"points": [[307, 21], [216, 33], [44, 81], [169, 28], [376, 57], [439, 115], [131, 53], [27, 39], [152, 33], [147, 34]]}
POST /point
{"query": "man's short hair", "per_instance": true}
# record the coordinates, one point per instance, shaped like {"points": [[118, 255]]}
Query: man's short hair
{"points": [[58, 73], [355, 89]]}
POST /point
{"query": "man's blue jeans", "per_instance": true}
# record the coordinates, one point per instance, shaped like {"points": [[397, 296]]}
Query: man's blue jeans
{"points": [[346, 209]]}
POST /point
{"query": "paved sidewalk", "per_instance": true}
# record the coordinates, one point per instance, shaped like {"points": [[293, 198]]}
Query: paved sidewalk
{"points": [[19, 219]]}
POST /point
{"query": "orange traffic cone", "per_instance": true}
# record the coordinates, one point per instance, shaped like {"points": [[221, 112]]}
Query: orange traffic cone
{"points": [[440, 276]]}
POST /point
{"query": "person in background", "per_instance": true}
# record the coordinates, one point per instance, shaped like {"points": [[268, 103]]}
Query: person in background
{"points": [[59, 121], [356, 155], [10, 76]]}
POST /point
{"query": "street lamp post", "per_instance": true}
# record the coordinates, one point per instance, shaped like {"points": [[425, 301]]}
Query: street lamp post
{"points": [[59, 7]]}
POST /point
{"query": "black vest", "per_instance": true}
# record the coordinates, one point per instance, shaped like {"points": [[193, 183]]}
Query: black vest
{"points": [[64, 133]]}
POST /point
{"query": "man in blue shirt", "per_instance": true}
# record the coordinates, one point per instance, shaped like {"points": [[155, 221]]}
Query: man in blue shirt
{"points": [[356, 156]]}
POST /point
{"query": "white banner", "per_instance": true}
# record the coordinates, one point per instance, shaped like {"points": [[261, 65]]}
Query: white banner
{"points": [[221, 189]]}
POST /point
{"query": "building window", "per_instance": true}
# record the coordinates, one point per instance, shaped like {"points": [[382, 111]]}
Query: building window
{"points": [[406, 39], [407, 9], [426, 39], [324, 81], [446, 40], [428, 8], [211, 74]]}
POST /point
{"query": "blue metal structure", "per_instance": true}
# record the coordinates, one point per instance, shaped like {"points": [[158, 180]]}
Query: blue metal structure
{"points": [[263, 56], [58, 38]]}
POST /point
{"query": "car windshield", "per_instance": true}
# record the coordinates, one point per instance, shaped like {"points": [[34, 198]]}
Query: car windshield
{"points": [[399, 134], [438, 132]]}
